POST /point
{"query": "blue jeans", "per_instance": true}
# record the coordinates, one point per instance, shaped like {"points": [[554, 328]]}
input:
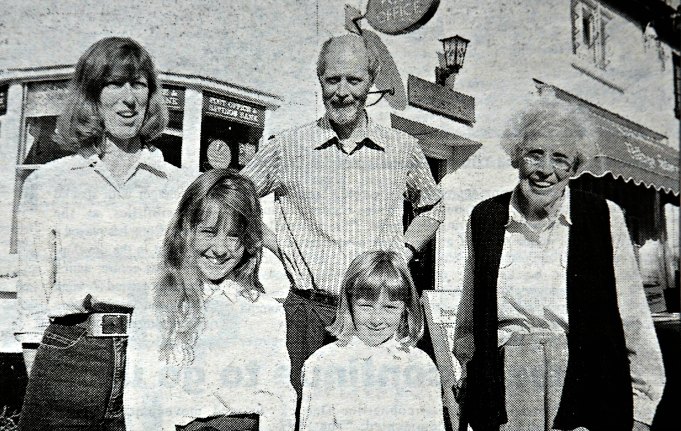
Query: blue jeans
{"points": [[76, 382]]}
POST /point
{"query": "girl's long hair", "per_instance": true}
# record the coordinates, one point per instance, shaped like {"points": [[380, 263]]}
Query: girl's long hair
{"points": [[178, 295]]}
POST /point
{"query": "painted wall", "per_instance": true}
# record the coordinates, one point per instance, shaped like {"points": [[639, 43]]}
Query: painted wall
{"points": [[272, 46]]}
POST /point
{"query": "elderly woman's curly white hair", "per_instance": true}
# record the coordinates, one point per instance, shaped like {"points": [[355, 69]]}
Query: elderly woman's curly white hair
{"points": [[551, 120]]}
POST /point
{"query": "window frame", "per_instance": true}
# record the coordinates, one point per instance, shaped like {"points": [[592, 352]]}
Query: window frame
{"points": [[676, 66], [595, 50]]}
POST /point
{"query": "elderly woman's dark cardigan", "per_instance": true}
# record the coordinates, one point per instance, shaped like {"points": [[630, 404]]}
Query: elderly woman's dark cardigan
{"points": [[597, 393]]}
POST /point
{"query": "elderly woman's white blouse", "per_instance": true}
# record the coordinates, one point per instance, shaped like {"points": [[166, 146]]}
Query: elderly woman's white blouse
{"points": [[241, 365], [359, 387]]}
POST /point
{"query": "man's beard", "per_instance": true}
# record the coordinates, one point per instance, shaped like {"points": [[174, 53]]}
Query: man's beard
{"points": [[344, 115]]}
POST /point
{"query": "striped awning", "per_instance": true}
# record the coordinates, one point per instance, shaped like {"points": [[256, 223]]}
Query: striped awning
{"points": [[624, 155]]}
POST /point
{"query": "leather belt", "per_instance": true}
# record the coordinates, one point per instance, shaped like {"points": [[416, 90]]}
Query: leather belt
{"points": [[98, 324], [317, 296]]}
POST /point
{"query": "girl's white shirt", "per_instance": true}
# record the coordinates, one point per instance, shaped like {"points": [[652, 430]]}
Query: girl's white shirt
{"points": [[360, 387], [241, 365]]}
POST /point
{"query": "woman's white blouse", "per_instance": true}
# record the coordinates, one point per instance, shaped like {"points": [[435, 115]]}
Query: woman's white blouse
{"points": [[82, 232], [358, 387], [241, 365]]}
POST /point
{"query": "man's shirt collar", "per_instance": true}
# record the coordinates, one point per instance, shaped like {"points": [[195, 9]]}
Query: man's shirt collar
{"points": [[368, 136]]}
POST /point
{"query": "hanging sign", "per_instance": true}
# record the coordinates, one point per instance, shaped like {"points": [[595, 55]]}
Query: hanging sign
{"points": [[233, 110], [174, 97], [3, 99], [400, 16], [440, 100]]}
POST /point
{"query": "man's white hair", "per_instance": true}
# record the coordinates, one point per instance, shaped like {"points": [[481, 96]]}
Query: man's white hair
{"points": [[374, 62]]}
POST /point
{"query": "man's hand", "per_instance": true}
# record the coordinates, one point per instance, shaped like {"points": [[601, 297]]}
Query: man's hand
{"points": [[29, 357], [640, 426], [269, 241]]}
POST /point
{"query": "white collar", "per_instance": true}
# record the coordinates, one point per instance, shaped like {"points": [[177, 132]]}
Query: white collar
{"points": [[150, 158], [230, 289], [391, 348], [562, 212]]}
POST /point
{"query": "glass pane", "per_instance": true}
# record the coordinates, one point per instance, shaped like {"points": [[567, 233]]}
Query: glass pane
{"points": [[175, 120], [171, 147], [46, 98], [587, 28], [40, 146]]}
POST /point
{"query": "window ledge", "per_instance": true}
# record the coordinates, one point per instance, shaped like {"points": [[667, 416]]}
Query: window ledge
{"points": [[596, 74], [173, 132]]}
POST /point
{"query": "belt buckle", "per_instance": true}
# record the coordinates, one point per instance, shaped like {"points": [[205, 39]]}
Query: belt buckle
{"points": [[108, 324]]}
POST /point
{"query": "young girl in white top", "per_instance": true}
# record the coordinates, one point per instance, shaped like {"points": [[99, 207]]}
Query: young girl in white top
{"points": [[223, 339], [373, 378]]}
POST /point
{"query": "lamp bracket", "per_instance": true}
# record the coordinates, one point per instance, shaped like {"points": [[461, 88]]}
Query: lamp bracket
{"points": [[390, 91]]}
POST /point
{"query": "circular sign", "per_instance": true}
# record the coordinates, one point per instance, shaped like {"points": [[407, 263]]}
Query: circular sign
{"points": [[219, 154], [400, 16]]}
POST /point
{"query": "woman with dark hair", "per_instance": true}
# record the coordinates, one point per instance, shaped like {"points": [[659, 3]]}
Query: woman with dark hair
{"points": [[90, 226], [224, 363]]}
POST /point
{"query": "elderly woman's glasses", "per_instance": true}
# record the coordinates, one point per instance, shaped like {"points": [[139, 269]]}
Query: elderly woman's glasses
{"points": [[558, 163]]}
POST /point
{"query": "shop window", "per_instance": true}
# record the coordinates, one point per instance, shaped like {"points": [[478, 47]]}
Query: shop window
{"points": [[677, 85], [44, 102], [170, 142], [590, 32], [40, 147], [230, 132], [3, 98], [227, 143]]}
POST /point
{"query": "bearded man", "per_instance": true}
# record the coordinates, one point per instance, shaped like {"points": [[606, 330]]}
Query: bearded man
{"points": [[340, 185]]}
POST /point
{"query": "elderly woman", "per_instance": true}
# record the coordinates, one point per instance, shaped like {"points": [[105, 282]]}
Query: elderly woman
{"points": [[89, 228], [554, 331]]}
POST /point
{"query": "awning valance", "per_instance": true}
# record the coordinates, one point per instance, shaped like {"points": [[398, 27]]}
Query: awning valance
{"points": [[633, 158]]}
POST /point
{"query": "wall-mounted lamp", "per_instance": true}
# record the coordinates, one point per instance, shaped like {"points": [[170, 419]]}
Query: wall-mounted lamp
{"points": [[454, 55]]}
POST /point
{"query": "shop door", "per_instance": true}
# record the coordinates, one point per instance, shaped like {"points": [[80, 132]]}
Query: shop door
{"points": [[423, 268]]}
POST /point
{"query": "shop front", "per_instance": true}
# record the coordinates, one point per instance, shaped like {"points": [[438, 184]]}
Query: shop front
{"points": [[211, 124]]}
